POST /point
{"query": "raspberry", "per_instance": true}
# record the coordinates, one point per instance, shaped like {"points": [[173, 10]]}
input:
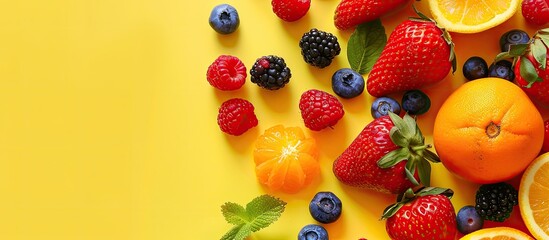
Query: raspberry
{"points": [[290, 10], [270, 72], [226, 73], [236, 116], [318, 48], [536, 11], [320, 109]]}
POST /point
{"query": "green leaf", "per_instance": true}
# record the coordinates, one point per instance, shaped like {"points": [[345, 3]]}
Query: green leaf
{"points": [[264, 210], [502, 56], [261, 212], [410, 124], [528, 72], [430, 156], [435, 191], [424, 172], [393, 157], [401, 125], [397, 138], [540, 53], [520, 49], [239, 232], [391, 210], [410, 174], [234, 213], [365, 46]]}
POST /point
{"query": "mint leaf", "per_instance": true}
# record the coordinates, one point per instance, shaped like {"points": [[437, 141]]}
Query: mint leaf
{"points": [[259, 213], [234, 213], [264, 210], [365, 46], [540, 53]]}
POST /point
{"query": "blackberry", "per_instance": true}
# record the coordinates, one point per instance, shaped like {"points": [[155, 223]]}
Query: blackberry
{"points": [[495, 202], [319, 48], [270, 72]]}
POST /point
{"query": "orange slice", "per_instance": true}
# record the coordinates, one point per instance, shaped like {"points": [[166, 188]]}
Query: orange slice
{"points": [[497, 233], [472, 16], [285, 159], [534, 197]]}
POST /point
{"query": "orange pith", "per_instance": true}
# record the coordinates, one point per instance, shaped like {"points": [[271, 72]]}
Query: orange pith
{"points": [[488, 131], [533, 197], [285, 159]]}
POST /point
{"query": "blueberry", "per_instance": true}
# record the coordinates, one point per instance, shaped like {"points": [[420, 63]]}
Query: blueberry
{"points": [[224, 19], [347, 83], [313, 232], [475, 68], [468, 220], [512, 37], [325, 207], [415, 102], [502, 69], [382, 105]]}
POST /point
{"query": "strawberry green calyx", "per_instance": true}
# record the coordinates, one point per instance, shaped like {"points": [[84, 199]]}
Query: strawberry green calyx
{"points": [[445, 35], [536, 48], [406, 134], [409, 195]]}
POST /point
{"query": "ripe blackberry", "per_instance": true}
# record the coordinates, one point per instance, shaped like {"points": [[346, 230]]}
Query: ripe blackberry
{"points": [[495, 202], [270, 72], [319, 48]]}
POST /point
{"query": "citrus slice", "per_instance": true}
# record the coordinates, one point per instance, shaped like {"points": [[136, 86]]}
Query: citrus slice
{"points": [[470, 16], [534, 196], [285, 159], [497, 233]]}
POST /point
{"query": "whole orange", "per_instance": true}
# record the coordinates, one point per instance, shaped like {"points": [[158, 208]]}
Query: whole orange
{"points": [[488, 131]]}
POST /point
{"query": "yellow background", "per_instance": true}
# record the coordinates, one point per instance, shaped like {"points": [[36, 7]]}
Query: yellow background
{"points": [[108, 125]]}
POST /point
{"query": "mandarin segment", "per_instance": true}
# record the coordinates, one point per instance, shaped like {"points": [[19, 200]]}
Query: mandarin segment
{"points": [[285, 159]]}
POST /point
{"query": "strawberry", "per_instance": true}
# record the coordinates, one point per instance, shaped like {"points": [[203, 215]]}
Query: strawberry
{"points": [[531, 66], [290, 10], [350, 13], [426, 214], [388, 156], [417, 53], [535, 11], [320, 109]]}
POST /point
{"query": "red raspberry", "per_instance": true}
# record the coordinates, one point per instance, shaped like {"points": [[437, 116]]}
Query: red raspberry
{"points": [[236, 116], [320, 109], [226, 73], [290, 10], [536, 11], [545, 147]]}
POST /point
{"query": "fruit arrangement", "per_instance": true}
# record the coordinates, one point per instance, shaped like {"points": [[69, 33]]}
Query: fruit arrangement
{"points": [[487, 132]]}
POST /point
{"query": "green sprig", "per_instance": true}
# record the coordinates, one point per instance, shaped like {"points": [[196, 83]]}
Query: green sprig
{"points": [[261, 212]]}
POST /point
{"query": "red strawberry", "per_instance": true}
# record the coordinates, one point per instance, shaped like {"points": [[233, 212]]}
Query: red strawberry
{"points": [[427, 215], [532, 66], [536, 11], [545, 147], [320, 109], [290, 10], [226, 73], [387, 156], [350, 13], [236, 116], [417, 53]]}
